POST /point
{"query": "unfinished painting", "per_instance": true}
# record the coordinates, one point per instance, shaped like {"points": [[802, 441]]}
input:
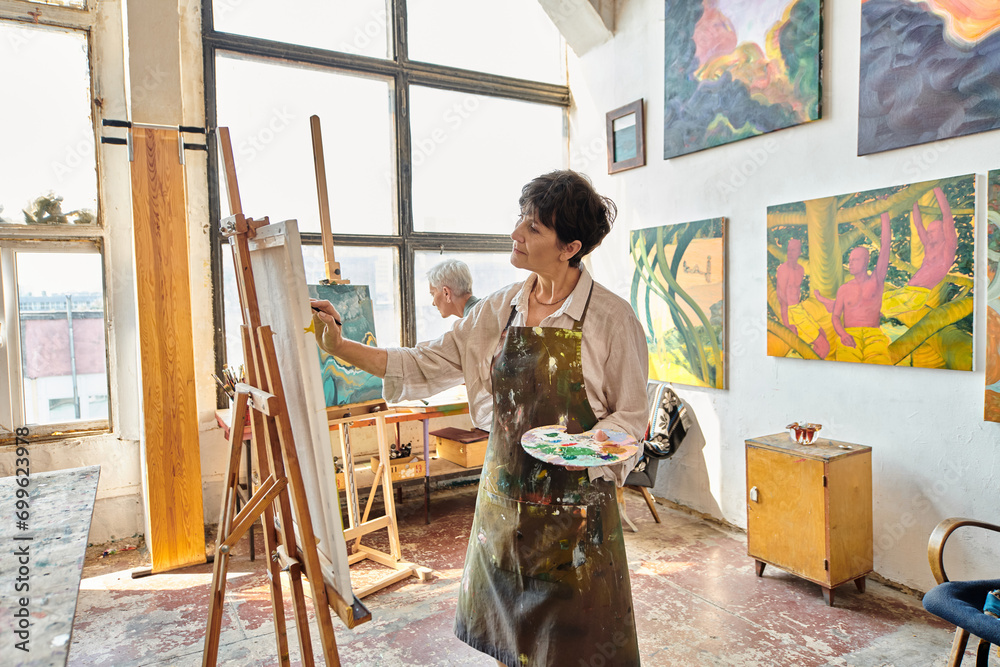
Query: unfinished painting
{"points": [[344, 384], [877, 277], [678, 293], [735, 69], [992, 411], [929, 70]]}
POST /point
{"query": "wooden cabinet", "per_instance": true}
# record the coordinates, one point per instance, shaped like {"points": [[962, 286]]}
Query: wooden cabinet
{"points": [[809, 509]]}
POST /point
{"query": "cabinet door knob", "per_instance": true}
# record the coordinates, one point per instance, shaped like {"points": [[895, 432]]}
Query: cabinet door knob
{"points": [[753, 494]]}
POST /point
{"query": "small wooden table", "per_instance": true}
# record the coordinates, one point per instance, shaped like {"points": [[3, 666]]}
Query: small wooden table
{"points": [[46, 556], [401, 415], [809, 509]]}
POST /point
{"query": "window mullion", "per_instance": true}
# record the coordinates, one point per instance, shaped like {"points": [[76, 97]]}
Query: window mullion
{"points": [[8, 340]]}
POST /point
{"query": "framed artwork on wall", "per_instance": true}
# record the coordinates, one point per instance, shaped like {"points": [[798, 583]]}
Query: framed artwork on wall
{"points": [[735, 70], [626, 143], [929, 71], [678, 292], [876, 277], [992, 407]]}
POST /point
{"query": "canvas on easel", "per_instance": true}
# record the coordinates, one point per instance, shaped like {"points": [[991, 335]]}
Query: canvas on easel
{"points": [[276, 258], [344, 384]]}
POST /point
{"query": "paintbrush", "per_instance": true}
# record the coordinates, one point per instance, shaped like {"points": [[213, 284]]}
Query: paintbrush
{"points": [[318, 310]]}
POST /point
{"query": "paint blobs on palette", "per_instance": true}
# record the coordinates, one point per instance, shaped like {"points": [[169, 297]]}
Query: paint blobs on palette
{"points": [[600, 447]]}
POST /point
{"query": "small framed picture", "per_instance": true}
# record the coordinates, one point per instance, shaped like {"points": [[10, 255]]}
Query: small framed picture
{"points": [[626, 147]]}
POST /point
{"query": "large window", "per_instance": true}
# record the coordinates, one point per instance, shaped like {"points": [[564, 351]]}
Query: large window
{"points": [[434, 114], [53, 349]]}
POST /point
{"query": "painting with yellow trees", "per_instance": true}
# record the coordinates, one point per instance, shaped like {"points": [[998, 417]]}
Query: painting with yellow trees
{"points": [[879, 277], [678, 293], [992, 411], [735, 69]]}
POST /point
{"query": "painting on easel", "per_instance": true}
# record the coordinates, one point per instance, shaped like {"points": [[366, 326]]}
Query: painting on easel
{"points": [[344, 384]]}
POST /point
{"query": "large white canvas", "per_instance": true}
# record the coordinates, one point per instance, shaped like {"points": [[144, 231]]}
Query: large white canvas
{"points": [[283, 299]]}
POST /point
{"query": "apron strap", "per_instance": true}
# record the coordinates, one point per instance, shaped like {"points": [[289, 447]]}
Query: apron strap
{"points": [[578, 326]]}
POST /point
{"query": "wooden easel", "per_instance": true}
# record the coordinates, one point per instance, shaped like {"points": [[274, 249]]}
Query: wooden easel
{"points": [[343, 416], [287, 549]]}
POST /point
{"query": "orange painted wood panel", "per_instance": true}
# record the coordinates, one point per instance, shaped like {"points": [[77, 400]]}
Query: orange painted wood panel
{"points": [[786, 526], [850, 510], [170, 418]]}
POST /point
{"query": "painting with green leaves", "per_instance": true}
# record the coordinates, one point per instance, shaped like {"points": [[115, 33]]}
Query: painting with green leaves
{"points": [[678, 292], [878, 277]]}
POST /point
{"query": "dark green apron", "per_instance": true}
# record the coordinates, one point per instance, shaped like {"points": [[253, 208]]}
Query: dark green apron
{"points": [[546, 579]]}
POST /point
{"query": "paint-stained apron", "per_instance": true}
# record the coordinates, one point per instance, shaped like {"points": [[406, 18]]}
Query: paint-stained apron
{"points": [[546, 580]]}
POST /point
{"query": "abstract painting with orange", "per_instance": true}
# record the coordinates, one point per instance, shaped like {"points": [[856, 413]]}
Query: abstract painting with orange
{"points": [[930, 70], [992, 411], [736, 69]]}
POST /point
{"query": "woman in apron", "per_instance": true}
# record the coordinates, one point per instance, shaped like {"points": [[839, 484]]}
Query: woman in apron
{"points": [[546, 577]]}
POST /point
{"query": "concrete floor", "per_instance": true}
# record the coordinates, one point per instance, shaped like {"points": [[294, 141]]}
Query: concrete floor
{"points": [[696, 597]]}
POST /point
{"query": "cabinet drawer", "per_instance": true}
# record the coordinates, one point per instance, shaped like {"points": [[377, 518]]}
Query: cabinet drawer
{"points": [[786, 525]]}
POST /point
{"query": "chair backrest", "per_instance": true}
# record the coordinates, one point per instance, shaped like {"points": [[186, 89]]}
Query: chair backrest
{"points": [[669, 421]]}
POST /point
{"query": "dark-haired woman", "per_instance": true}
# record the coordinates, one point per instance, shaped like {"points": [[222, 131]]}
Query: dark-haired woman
{"points": [[546, 578]]}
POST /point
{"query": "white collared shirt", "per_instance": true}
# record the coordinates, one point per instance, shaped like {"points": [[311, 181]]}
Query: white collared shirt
{"points": [[615, 359]]}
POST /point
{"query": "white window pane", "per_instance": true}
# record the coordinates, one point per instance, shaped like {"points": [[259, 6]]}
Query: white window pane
{"points": [[63, 354], [512, 38], [351, 26], [472, 154], [80, 4], [48, 125], [378, 268], [490, 272], [267, 108]]}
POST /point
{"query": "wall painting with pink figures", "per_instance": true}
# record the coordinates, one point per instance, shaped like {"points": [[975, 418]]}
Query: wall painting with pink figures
{"points": [[878, 277]]}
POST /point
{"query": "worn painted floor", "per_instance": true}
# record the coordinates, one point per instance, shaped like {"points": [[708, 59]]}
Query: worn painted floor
{"points": [[697, 602]]}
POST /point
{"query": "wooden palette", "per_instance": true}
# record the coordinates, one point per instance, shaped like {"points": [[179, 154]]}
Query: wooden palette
{"points": [[552, 444]]}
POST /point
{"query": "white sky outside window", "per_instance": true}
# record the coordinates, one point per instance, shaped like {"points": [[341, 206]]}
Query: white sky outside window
{"points": [[47, 116], [267, 108], [512, 38], [351, 26], [472, 155]]}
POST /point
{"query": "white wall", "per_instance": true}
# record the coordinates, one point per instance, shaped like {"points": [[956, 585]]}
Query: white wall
{"points": [[933, 456]]}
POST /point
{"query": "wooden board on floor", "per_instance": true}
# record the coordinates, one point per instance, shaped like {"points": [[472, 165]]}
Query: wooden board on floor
{"points": [[172, 462], [61, 504]]}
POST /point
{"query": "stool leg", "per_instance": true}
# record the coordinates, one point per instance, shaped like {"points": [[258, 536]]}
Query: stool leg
{"points": [[650, 502]]}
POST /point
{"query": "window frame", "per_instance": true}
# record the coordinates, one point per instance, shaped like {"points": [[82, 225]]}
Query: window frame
{"points": [[105, 78], [401, 73]]}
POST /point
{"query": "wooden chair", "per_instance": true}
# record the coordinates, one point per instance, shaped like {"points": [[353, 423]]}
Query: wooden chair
{"points": [[961, 602], [667, 427]]}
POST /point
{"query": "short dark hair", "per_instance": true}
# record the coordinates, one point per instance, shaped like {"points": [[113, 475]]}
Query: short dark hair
{"points": [[565, 201]]}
